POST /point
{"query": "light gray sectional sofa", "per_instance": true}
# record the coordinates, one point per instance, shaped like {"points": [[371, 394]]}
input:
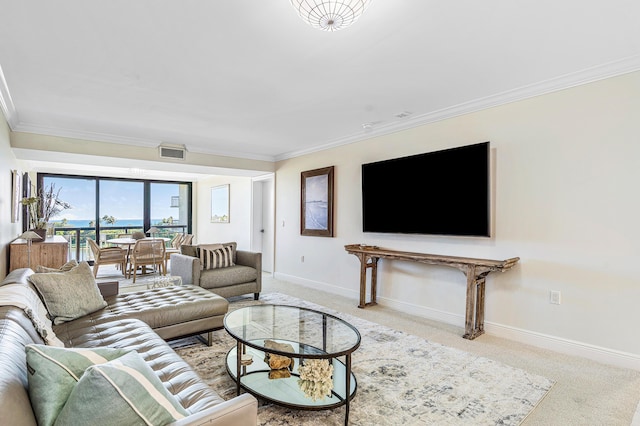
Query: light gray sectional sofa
{"points": [[243, 276], [132, 321]]}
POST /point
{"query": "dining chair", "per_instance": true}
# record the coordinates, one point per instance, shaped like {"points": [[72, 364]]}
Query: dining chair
{"points": [[174, 247], [128, 247], [107, 256], [138, 235], [148, 252], [188, 239]]}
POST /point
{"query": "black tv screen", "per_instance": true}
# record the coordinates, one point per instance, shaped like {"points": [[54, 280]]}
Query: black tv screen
{"points": [[443, 193]]}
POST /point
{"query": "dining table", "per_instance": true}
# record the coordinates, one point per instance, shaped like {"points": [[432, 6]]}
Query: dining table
{"points": [[128, 242]]}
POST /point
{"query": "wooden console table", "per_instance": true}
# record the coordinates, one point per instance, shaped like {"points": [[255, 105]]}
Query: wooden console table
{"points": [[51, 253], [476, 271]]}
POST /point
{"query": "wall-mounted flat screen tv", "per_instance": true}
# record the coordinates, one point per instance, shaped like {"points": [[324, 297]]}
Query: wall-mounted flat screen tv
{"points": [[442, 193]]}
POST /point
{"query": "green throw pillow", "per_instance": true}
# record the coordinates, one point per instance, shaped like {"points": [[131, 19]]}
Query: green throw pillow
{"points": [[53, 373], [124, 391], [69, 295]]}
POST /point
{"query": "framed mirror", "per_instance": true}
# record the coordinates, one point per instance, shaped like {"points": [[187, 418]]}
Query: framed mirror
{"points": [[220, 204]]}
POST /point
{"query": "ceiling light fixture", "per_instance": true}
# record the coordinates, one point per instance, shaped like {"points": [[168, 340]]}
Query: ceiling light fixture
{"points": [[330, 15]]}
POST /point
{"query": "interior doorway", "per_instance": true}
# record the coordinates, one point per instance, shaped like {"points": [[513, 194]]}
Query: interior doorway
{"points": [[262, 228]]}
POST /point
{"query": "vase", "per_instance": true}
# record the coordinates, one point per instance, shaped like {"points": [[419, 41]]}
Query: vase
{"points": [[42, 233]]}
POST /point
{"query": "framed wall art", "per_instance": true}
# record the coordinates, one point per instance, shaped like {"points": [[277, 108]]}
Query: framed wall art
{"points": [[220, 204], [26, 193], [16, 195], [316, 209]]}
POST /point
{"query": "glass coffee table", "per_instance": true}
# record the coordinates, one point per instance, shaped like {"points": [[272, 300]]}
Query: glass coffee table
{"points": [[300, 334]]}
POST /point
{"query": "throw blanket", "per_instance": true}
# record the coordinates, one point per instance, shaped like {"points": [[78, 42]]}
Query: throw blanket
{"points": [[25, 298]]}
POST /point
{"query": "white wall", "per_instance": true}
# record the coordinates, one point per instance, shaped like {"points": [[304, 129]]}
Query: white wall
{"points": [[239, 227], [8, 162], [567, 202]]}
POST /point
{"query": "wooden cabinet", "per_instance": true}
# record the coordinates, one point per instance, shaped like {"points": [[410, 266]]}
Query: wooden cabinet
{"points": [[51, 253]]}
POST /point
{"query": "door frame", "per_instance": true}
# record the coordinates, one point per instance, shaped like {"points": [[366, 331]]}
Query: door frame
{"points": [[259, 204]]}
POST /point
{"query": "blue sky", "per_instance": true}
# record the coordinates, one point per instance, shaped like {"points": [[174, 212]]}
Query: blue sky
{"points": [[122, 200]]}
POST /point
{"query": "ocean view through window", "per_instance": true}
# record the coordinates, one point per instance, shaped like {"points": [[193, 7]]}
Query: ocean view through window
{"points": [[103, 208]]}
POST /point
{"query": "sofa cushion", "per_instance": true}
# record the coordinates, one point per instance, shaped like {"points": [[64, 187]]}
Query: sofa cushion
{"points": [[69, 295], [159, 307], [16, 331], [218, 257], [54, 372], [132, 334], [134, 393], [236, 274]]}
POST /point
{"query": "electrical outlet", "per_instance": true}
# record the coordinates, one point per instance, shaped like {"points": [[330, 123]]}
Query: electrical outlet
{"points": [[302, 259], [554, 297]]}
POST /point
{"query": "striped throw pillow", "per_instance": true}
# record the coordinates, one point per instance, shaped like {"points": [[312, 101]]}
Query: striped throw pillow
{"points": [[218, 258], [53, 372], [135, 396]]}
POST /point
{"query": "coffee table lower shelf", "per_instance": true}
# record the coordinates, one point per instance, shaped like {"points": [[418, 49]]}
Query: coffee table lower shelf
{"points": [[254, 379]]}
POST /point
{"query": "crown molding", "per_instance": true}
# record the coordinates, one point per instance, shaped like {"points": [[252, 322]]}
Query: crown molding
{"points": [[6, 103], [589, 75], [123, 140]]}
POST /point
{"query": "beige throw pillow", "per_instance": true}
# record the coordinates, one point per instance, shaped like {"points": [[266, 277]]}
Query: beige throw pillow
{"points": [[69, 295], [64, 268], [189, 250]]}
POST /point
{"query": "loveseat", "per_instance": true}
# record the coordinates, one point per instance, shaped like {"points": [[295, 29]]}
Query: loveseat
{"points": [[24, 329], [231, 273]]}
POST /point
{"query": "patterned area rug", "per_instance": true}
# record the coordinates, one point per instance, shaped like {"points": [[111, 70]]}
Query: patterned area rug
{"points": [[402, 379]]}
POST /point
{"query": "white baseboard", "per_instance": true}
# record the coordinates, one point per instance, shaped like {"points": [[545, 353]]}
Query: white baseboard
{"points": [[566, 346], [545, 341], [318, 285]]}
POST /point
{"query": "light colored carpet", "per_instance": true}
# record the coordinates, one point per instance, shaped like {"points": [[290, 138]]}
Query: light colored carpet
{"points": [[402, 379], [585, 393]]}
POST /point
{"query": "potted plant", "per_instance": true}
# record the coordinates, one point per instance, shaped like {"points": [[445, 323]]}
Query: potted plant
{"points": [[43, 206]]}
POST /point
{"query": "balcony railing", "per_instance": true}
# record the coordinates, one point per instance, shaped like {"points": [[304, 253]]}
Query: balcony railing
{"points": [[77, 236]]}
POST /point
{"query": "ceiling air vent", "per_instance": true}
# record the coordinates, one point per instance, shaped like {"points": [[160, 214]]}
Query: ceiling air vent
{"points": [[172, 152]]}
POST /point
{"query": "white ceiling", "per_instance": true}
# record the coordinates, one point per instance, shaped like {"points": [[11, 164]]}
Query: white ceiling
{"points": [[250, 79]]}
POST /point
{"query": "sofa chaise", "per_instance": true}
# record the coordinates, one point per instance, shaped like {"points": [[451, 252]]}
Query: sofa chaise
{"points": [[219, 268], [124, 323]]}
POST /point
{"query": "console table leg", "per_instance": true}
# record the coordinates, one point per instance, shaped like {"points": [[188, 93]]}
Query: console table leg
{"points": [[474, 315], [363, 281], [374, 280], [469, 319], [368, 262], [479, 329]]}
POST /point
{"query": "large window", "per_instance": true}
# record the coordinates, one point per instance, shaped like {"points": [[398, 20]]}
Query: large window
{"points": [[103, 208]]}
